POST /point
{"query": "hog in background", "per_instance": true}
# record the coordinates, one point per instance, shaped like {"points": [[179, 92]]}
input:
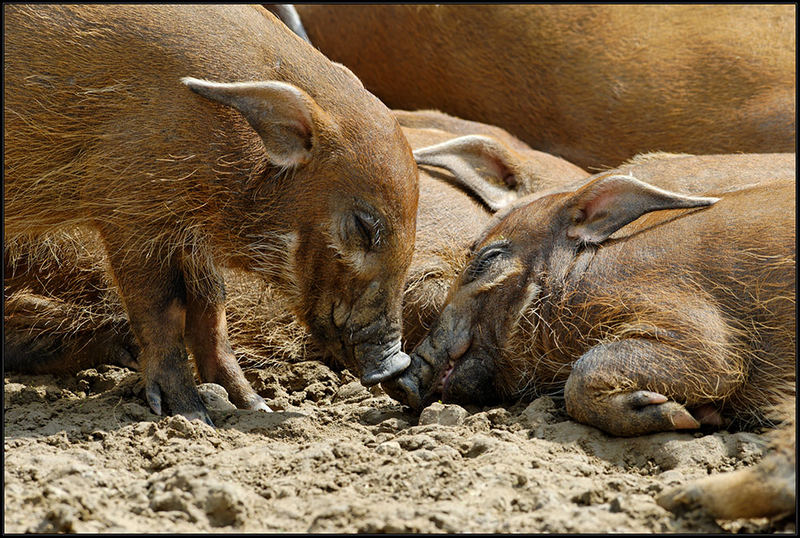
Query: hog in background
{"points": [[594, 84]]}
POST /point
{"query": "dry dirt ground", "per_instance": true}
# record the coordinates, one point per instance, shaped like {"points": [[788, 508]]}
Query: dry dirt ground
{"points": [[84, 454]]}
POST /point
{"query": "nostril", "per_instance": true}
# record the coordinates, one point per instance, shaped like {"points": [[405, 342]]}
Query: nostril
{"points": [[412, 396]]}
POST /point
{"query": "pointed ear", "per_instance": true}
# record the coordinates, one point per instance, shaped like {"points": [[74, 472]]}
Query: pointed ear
{"points": [[481, 165], [280, 113], [606, 204]]}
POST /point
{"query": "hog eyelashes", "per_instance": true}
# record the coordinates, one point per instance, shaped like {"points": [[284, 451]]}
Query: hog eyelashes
{"points": [[368, 228], [487, 256], [358, 233]]}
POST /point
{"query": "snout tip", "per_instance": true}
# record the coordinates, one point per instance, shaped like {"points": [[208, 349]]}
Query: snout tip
{"points": [[386, 369], [404, 390]]}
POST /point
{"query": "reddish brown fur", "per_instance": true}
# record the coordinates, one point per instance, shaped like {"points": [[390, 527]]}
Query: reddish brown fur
{"points": [[712, 288], [594, 84], [100, 131], [261, 327]]}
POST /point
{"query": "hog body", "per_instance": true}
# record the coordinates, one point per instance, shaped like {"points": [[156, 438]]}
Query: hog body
{"points": [[594, 84], [193, 138], [63, 313], [681, 317]]}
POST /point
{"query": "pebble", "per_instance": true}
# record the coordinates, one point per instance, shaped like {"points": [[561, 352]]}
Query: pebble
{"points": [[444, 414]]}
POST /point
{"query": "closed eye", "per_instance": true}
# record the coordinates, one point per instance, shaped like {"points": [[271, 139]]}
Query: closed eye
{"points": [[487, 257], [367, 228]]}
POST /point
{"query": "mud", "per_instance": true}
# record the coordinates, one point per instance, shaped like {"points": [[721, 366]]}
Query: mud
{"points": [[84, 454]]}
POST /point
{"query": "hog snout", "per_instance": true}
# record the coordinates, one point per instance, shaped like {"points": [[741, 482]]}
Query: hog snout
{"points": [[416, 385], [381, 364], [374, 350], [471, 380], [406, 388]]}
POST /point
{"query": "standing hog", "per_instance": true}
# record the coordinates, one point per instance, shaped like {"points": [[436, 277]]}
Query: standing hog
{"points": [[198, 137], [594, 84], [650, 310], [61, 312]]}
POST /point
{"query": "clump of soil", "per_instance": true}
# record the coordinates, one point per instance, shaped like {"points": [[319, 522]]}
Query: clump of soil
{"points": [[84, 454]]}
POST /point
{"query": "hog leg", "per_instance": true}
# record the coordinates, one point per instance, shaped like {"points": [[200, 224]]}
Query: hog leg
{"points": [[633, 386], [154, 294], [207, 338], [44, 335], [764, 490]]}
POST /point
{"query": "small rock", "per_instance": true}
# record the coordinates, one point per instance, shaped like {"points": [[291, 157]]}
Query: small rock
{"points": [[478, 422], [444, 414], [215, 397], [389, 448], [538, 412], [445, 452], [498, 416], [424, 454], [317, 391], [351, 390], [225, 505], [178, 426], [673, 476], [417, 441], [135, 411], [589, 497], [392, 425], [479, 444]]}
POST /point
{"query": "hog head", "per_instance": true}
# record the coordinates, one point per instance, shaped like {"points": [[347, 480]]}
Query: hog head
{"points": [[341, 211], [493, 318]]}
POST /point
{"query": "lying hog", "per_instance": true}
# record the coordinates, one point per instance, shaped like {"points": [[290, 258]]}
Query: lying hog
{"points": [[63, 314], [650, 310]]}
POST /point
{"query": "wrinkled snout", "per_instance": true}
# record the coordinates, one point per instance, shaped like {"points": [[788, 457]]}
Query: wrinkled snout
{"points": [[448, 365], [471, 381], [374, 350], [407, 387], [380, 363]]}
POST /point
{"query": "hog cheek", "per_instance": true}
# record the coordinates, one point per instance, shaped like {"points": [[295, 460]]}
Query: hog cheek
{"points": [[470, 382]]}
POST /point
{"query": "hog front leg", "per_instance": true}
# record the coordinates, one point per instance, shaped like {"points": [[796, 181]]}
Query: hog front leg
{"points": [[207, 338], [635, 386], [154, 295]]}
